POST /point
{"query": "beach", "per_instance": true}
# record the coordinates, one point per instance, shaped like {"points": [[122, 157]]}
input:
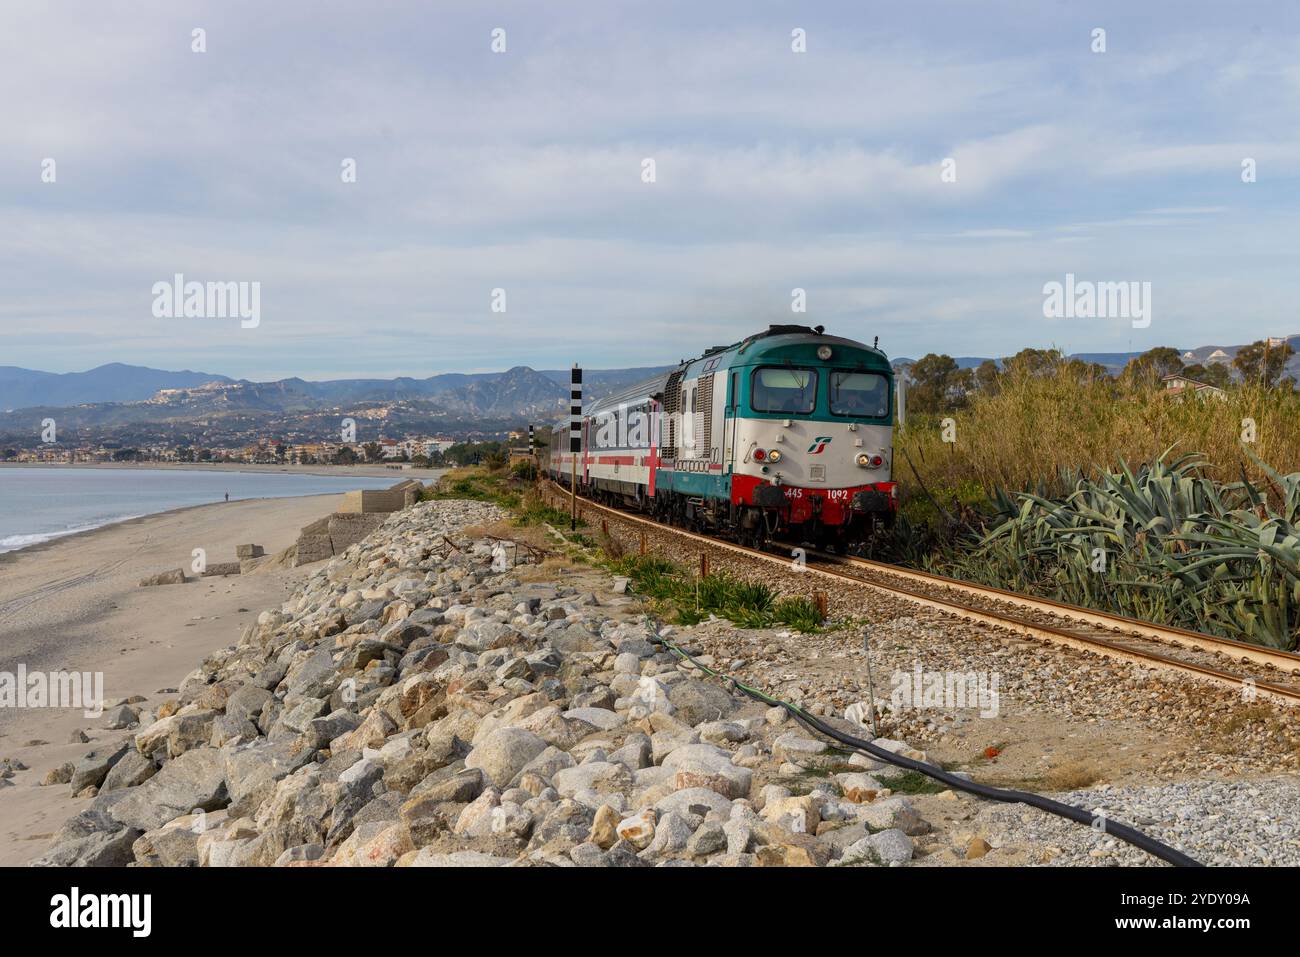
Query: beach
{"points": [[378, 470], [75, 604]]}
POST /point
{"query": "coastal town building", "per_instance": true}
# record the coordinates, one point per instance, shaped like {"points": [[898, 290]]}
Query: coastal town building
{"points": [[1177, 386]]}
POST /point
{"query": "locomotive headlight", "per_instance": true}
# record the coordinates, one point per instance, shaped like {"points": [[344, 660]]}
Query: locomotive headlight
{"points": [[864, 460], [823, 353], [774, 455]]}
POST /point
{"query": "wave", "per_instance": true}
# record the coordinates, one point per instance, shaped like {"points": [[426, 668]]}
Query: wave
{"points": [[12, 543]]}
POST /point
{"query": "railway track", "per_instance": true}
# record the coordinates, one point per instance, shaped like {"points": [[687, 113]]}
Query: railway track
{"points": [[1253, 670]]}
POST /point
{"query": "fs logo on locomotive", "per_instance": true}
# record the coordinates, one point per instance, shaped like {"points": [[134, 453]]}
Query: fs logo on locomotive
{"points": [[819, 445]]}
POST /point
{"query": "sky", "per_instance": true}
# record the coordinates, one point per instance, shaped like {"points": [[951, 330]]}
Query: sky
{"points": [[502, 213]]}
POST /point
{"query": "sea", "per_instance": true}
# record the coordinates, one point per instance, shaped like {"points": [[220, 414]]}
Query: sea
{"points": [[39, 503]]}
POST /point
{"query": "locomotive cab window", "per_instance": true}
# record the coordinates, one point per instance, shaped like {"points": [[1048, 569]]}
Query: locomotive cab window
{"points": [[779, 389], [859, 395]]}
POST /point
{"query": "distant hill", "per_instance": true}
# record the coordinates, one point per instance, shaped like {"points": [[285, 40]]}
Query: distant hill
{"points": [[516, 391], [509, 393], [119, 394], [219, 406], [598, 382], [115, 382]]}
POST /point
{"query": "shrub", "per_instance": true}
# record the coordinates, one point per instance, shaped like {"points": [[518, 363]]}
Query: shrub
{"points": [[1164, 543]]}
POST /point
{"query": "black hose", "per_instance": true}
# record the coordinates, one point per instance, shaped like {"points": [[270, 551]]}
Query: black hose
{"points": [[1125, 833]]}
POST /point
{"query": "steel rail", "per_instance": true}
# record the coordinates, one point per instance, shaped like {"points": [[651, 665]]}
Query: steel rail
{"points": [[1168, 634], [1005, 620]]}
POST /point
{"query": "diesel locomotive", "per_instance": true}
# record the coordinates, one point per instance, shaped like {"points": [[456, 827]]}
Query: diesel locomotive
{"points": [[788, 433]]}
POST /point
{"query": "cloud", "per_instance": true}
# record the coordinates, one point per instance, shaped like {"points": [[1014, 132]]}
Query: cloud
{"points": [[522, 171]]}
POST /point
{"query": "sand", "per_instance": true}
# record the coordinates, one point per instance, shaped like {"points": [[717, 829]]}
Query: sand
{"points": [[75, 603]]}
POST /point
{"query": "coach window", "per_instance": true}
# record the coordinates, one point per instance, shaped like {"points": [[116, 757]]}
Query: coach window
{"points": [[859, 395], [780, 389]]}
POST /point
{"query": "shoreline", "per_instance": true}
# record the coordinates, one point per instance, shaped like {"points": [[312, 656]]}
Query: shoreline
{"points": [[82, 535], [75, 604], [323, 471], [6, 555]]}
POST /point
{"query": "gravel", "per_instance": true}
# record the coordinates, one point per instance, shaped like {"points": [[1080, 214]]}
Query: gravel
{"points": [[1222, 823]]}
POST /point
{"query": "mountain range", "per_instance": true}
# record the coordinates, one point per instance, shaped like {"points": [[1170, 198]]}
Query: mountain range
{"points": [[517, 391], [155, 406], [161, 402], [115, 382]]}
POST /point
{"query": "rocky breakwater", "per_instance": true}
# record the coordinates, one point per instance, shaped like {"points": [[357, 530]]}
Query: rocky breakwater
{"points": [[418, 702]]}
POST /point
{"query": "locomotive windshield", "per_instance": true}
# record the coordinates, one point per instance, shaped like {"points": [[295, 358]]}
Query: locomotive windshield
{"points": [[780, 389], [862, 394]]}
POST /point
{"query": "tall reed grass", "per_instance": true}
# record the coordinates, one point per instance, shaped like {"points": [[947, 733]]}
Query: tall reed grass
{"points": [[1023, 436], [1200, 532]]}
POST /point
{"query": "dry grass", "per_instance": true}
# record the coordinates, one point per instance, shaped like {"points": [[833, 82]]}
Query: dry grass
{"points": [[1071, 776], [1245, 718], [1035, 426], [611, 546]]}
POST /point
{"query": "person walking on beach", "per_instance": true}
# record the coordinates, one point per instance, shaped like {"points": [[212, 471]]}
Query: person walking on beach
{"points": [[227, 496]]}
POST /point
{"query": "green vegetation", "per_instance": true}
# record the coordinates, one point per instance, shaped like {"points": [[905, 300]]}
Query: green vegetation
{"points": [[507, 489], [913, 782], [690, 599], [473, 453], [479, 485], [533, 510], [1163, 543], [1037, 482], [1043, 413]]}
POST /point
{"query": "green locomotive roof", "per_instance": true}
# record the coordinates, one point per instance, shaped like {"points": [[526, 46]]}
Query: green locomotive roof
{"points": [[777, 345]]}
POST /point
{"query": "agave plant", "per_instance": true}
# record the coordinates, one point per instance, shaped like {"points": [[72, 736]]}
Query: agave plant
{"points": [[1164, 543]]}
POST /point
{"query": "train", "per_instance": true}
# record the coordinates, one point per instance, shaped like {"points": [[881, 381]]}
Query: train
{"points": [[786, 435]]}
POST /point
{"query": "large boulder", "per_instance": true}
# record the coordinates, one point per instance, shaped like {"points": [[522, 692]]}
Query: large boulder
{"points": [[698, 701], [91, 839], [246, 702], [708, 766], [94, 765], [251, 772], [601, 777], [196, 780], [504, 753], [132, 770], [315, 677], [96, 849]]}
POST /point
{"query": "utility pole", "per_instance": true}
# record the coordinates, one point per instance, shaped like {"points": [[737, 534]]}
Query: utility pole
{"points": [[575, 441]]}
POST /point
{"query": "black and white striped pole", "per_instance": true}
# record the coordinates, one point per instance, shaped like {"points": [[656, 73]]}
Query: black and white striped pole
{"points": [[575, 441], [532, 454]]}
